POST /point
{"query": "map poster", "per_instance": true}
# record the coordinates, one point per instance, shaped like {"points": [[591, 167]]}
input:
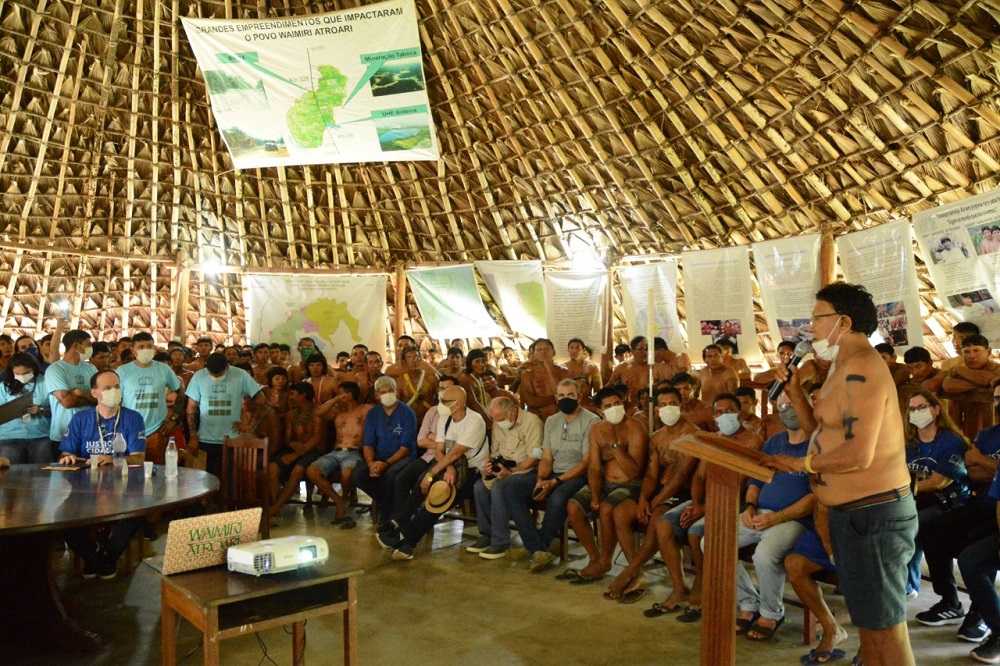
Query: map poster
{"points": [[788, 275], [881, 259], [960, 242], [658, 281], [344, 86], [575, 303], [719, 299], [518, 289], [449, 302], [337, 311]]}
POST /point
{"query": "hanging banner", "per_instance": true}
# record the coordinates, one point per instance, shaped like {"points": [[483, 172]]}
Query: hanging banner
{"points": [[961, 245], [518, 289], [575, 303], [881, 259], [337, 311], [657, 283], [344, 86], [788, 275], [719, 299], [449, 302]]}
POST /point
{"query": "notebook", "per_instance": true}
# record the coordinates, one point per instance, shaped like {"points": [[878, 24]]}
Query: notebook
{"points": [[201, 542]]}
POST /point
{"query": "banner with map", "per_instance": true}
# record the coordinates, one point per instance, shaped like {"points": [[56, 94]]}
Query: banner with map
{"points": [[518, 288], [449, 302], [657, 282], [575, 303], [337, 311], [788, 275], [343, 86]]}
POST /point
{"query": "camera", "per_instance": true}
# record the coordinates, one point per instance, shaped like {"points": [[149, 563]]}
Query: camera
{"points": [[497, 463]]}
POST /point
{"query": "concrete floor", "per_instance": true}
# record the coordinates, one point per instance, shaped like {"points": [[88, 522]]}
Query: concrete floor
{"points": [[445, 607]]}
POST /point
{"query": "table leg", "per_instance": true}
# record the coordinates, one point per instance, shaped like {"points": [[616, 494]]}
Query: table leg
{"points": [[299, 644], [351, 624], [211, 638], [718, 637], [168, 631]]}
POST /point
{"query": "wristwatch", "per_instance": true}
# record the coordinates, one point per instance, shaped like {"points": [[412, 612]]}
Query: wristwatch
{"points": [[557, 480], [615, 446]]}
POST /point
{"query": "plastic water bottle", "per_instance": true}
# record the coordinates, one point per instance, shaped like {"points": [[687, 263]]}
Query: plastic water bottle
{"points": [[119, 447], [170, 457]]}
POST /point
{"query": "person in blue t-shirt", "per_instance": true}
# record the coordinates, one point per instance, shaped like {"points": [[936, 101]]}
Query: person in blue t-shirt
{"points": [[91, 433], [945, 536], [145, 383], [979, 563], [935, 456], [25, 439], [68, 383]]}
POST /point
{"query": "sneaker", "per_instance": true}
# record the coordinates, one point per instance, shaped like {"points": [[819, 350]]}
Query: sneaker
{"points": [[149, 533], [540, 560], [911, 595], [941, 614], [989, 651], [973, 629], [388, 539], [494, 553], [403, 553], [481, 544], [107, 570], [90, 570], [517, 554]]}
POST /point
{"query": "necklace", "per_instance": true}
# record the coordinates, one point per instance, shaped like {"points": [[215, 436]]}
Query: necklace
{"points": [[100, 426]]}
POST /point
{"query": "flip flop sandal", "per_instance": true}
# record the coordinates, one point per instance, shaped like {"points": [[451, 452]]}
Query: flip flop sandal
{"points": [[347, 523], [690, 614], [632, 596], [338, 520], [815, 658], [568, 574], [764, 633], [659, 609], [857, 661], [744, 624], [586, 580]]}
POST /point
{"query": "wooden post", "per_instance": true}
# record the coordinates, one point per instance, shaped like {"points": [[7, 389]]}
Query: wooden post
{"points": [[827, 258], [608, 359], [400, 305], [179, 327]]}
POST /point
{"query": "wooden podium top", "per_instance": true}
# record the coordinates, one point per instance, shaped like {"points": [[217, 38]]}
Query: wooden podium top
{"points": [[722, 451]]}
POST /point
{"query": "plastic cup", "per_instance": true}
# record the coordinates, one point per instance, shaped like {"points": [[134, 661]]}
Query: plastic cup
{"points": [[93, 462], [147, 468]]}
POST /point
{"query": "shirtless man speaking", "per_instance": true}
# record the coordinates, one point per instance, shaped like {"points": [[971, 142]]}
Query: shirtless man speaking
{"points": [[857, 468]]}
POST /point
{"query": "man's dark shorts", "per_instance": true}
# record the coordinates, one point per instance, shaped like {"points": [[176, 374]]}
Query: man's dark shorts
{"points": [[611, 493], [303, 461], [871, 548]]}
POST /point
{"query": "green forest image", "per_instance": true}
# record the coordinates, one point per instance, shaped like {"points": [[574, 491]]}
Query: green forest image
{"points": [[395, 77]]}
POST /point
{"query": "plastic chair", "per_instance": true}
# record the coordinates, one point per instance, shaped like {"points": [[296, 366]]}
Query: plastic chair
{"points": [[244, 476]]}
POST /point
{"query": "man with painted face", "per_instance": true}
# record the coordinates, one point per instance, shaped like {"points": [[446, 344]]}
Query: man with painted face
{"points": [[616, 461], [145, 384], [68, 383], [857, 467], [91, 433]]}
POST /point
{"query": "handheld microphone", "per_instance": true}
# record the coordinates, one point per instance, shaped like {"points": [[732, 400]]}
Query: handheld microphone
{"points": [[801, 350]]}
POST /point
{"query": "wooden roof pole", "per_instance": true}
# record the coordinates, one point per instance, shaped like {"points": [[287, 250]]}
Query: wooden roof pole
{"points": [[827, 257], [179, 328], [400, 305]]}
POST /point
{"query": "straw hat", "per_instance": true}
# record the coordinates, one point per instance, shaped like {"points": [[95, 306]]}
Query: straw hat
{"points": [[440, 497]]}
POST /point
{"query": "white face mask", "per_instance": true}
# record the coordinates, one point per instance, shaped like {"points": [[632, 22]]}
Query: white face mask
{"points": [[25, 378], [506, 424], [670, 414], [388, 399], [218, 379], [615, 415], [145, 356], [921, 419], [111, 397], [824, 350], [443, 410], [86, 353]]}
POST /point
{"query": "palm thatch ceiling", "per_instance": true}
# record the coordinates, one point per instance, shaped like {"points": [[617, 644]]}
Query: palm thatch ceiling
{"points": [[635, 126]]}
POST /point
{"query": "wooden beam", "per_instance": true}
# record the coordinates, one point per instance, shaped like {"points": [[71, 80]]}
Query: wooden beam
{"points": [[400, 304]]}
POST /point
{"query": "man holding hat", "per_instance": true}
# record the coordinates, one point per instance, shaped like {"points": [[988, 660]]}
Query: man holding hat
{"points": [[461, 453]]}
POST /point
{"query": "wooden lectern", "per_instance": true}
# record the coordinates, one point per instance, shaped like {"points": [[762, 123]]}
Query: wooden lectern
{"points": [[728, 463]]}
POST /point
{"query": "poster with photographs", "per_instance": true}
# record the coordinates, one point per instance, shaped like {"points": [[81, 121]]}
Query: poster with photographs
{"points": [[960, 242], [788, 275], [656, 282], [719, 299], [881, 259]]}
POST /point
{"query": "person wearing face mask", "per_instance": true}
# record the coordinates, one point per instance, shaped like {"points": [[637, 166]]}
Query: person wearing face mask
{"points": [[615, 465], [91, 433], [25, 439], [935, 456], [68, 383], [515, 450], [667, 482], [537, 381], [389, 445], [145, 387]]}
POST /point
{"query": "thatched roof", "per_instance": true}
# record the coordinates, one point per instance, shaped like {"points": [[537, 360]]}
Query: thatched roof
{"points": [[640, 127]]}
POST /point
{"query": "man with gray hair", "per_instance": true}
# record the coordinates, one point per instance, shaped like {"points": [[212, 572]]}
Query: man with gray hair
{"points": [[516, 449]]}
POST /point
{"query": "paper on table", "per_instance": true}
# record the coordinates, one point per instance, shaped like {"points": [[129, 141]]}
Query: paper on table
{"points": [[62, 468]]}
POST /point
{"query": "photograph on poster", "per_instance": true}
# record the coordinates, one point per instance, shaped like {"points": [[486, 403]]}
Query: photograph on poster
{"points": [[892, 323], [985, 237], [949, 249], [794, 330], [971, 304], [723, 330]]}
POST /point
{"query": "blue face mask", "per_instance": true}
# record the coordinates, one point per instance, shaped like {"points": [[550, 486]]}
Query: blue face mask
{"points": [[728, 423], [789, 419]]}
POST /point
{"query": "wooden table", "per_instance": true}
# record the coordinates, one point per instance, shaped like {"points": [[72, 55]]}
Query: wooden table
{"points": [[35, 505], [225, 605]]}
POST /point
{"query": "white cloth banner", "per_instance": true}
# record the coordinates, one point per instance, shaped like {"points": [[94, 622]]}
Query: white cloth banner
{"points": [[658, 282], [344, 86], [788, 275], [961, 246], [337, 311], [518, 287], [881, 259], [449, 302], [719, 299], [575, 302]]}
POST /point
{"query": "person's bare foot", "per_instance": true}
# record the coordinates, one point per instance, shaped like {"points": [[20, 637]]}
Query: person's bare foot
{"points": [[747, 616], [618, 585], [342, 507], [676, 599], [595, 569], [827, 643]]}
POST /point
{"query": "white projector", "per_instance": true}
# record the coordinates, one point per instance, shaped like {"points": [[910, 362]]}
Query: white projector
{"points": [[277, 555]]}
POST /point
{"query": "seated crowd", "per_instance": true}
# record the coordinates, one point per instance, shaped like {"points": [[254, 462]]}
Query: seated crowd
{"points": [[521, 437]]}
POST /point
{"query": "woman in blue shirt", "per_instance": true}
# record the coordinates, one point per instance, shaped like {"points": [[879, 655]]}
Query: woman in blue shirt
{"points": [[25, 438]]}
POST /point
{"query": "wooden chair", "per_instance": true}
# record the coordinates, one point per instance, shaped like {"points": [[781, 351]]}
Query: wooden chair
{"points": [[244, 476]]}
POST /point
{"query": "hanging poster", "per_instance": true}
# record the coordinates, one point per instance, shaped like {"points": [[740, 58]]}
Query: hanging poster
{"points": [[518, 288], [343, 86], [960, 243], [337, 311], [449, 302], [788, 275], [881, 259], [657, 282], [575, 305], [719, 299]]}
